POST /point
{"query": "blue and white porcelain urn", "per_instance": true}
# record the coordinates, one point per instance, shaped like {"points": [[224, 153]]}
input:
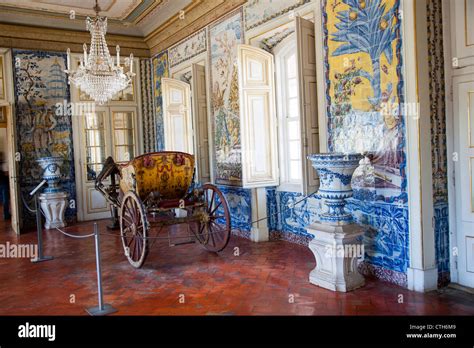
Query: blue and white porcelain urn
{"points": [[52, 172], [53, 200], [335, 174]]}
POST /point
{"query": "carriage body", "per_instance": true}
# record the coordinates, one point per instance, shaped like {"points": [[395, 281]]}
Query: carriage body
{"points": [[168, 173], [152, 189]]}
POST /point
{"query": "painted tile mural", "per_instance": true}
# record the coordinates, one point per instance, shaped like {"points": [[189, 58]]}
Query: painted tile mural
{"points": [[40, 83], [364, 91], [188, 48], [240, 206], [438, 137], [224, 36], [365, 86], [160, 70], [258, 12], [269, 43], [289, 215], [148, 112]]}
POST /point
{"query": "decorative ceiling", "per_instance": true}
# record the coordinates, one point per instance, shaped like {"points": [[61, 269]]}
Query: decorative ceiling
{"points": [[126, 17]]}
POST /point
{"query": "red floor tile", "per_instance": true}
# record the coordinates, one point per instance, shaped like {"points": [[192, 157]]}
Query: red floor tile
{"points": [[260, 281]]}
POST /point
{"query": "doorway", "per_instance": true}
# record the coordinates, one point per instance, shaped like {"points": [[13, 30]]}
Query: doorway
{"points": [[464, 177], [11, 193], [99, 132]]}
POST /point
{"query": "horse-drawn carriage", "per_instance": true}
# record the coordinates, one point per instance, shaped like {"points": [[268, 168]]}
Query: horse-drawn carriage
{"points": [[158, 190]]}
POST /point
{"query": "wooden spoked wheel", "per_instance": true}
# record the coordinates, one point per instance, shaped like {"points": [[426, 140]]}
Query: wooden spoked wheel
{"points": [[213, 231], [134, 229]]}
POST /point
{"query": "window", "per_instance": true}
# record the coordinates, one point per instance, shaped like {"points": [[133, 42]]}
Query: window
{"points": [[291, 176], [95, 144], [123, 136]]}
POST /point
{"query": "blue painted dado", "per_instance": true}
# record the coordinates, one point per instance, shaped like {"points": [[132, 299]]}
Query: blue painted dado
{"points": [[240, 206], [441, 218], [386, 239], [289, 217]]}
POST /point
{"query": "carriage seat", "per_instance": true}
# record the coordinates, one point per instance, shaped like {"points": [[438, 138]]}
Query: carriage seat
{"points": [[170, 173]]}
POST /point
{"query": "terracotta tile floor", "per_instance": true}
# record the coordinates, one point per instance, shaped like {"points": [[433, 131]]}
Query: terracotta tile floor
{"points": [[261, 280]]}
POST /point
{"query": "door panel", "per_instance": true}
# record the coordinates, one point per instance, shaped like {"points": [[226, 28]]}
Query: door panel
{"points": [[464, 178], [177, 121], [258, 119], [13, 172], [94, 151], [463, 31], [308, 100], [201, 128], [123, 128]]}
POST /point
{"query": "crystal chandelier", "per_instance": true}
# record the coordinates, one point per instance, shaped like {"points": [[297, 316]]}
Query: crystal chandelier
{"points": [[97, 75]]}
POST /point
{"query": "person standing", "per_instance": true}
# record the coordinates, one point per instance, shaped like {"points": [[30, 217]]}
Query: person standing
{"points": [[4, 187]]}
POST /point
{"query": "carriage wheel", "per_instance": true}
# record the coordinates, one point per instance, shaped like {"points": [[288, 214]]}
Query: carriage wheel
{"points": [[134, 229], [214, 232]]}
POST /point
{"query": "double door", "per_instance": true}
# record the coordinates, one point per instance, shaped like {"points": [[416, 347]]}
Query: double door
{"points": [[108, 131]]}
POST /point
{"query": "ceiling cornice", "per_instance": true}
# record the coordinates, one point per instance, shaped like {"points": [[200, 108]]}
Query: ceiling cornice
{"points": [[197, 15]]}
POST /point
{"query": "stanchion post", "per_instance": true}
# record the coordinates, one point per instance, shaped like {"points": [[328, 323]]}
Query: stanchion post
{"points": [[39, 229], [101, 309]]}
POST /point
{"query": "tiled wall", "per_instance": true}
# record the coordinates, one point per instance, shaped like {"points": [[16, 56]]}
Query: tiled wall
{"points": [[160, 70], [222, 38], [147, 105], [289, 213], [240, 207], [40, 83], [438, 137], [363, 71]]}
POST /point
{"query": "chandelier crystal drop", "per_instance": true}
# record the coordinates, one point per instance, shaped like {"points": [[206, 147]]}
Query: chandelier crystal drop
{"points": [[97, 75]]}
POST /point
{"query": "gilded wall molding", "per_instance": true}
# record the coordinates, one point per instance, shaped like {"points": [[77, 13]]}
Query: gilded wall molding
{"points": [[197, 15], [48, 39]]}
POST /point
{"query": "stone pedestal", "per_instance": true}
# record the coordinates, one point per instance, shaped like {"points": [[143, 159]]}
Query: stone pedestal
{"points": [[336, 249], [53, 206]]}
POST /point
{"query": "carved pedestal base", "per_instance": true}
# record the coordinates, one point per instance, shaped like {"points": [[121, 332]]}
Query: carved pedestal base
{"points": [[53, 206], [336, 249]]}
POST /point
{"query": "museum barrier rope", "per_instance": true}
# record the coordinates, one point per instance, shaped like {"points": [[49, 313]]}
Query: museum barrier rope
{"points": [[286, 209], [175, 237], [103, 309]]}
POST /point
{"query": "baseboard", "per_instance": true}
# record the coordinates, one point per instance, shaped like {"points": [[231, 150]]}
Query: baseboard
{"points": [[422, 280]]}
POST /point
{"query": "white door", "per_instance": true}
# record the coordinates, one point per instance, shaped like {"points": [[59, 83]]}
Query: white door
{"points": [[307, 92], [177, 121], [201, 123], [464, 178], [109, 131], [13, 171], [7, 100]]}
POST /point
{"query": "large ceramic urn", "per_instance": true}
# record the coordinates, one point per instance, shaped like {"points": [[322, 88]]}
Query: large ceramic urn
{"points": [[335, 173], [337, 244], [53, 200], [51, 172]]}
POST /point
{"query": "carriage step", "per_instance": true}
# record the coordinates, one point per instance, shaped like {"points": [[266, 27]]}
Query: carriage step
{"points": [[181, 243]]}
